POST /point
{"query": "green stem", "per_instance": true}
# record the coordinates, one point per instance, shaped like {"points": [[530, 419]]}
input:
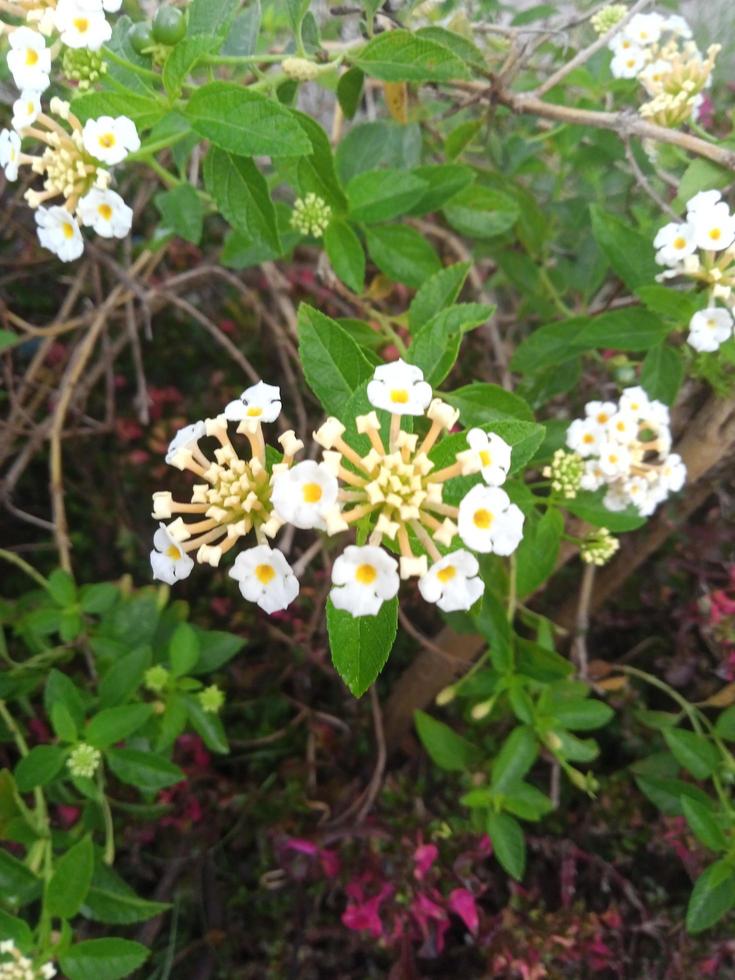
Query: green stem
{"points": [[512, 589], [109, 852], [14, 559], [149, 149], [39, 817], [553, 293], [110, 55], [245, 59], [167, 178]]}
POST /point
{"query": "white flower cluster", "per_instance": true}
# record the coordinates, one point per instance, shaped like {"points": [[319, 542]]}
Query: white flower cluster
{"points": [[73, 165], [392, 492], [660, 53], [626, 447], [702, 247], [15, 966]]}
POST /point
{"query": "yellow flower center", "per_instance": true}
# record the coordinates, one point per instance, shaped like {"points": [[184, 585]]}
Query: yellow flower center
{"points": [[679, 242], [31, 57], [107, 140], [105, 211], [602, 417], [483, 519], [485, 457], [312, 493], [366, 574], [715, 234], [620, 426], [399, 396], [67, 230], [254, 411], [81, 24], [448, 573], [265, 573], [588, 438], [613, 458], [173, 552]]}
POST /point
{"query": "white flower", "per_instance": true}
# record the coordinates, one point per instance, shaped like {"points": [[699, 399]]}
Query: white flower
{"points": [[593, 477], [304, 494], [169, 561], [185, 438], [452, 583], [106, 212], [399, 388], [583, 436], [622, 428], [709, 328], [644, 29], [635, 401], [26, 109], [265, 577], [48, 971], [673, 473], [488, 521], [59, 232], [702, 201], [488, 454], [9, 153], [363, 578], [110, 139], [677, 25], [29, 60], [614, 459], [654, 74], [674, 242], [600, 412], [714, 227], [627, 64], [81, 26], [260, 402]]}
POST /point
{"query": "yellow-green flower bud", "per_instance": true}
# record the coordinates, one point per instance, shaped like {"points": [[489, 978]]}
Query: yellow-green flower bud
{"points": [[84, 760]]}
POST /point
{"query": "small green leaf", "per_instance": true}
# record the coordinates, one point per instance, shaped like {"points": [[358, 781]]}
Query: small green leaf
{"points": [[402, 254], [241, 193], [115, 724], [334, 366], [516, 756], [447, 749], [103, 959], [400, 56], [713, 896], [704, 824], [112, 901], [725, 724], [630, 254], [345, 254], [72, 877], [378, 195], [349, 91], [61, 689], [63, 723], [42, 764], [182, 212], [62, 588], [183, 650], [666, 793], [144, 110], [17, 930], [509, 845], [480, 403], [582, 714], [526, 802], [538, 551], [436, 293], [124, 677], [662, 373], [149, 772], [692, 751], [98, 598], [241, 121], [479, 212], [208, 726], [17, 882], [589, 507], [182, 59], [361, 645]]}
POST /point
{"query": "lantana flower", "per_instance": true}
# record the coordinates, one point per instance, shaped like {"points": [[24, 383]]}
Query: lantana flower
{"points": [[233, 500], [394, 495], [629, 453], [702, 249]]}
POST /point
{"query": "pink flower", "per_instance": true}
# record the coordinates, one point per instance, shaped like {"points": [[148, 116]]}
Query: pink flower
{"points": [[424, 856], [364, 914], [424, 912], [462, 903]]}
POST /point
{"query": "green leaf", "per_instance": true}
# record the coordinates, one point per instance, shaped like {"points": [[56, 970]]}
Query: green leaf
{"points": [[673, 304], [211, 16], [99, 598], [400, 56], [402, 254], [447, 749], [464, 49], [62, 588], [345, 254], [692, 751], [378, 144], [713, 896], [17, 882], [378, 195], [9, 339], [72, 877], [491, 622], [479, 212], [480, 403], [435, 345], [725, 724], [183, 650], [666, 793], [115, 724], [17, 930], [63, 723], [124, 677], [582, 714], [439, 291], [662, 373], [537, 553], [361, 645], [700, 175], [631, 329], [630, 254], [144, 110], [334, 366], [526, 802], [182, 212], [575, 749], [349, 91], [244, 122], [216, 648], [42, 764], [61, 689], [703, 823], [103, 959], [516, 756], [207, 726], [316, 172], [149, 772], [111, 901], [242, 35], [509, 845], [182, 59], [589, 507], [241, 193], [443, 181]]}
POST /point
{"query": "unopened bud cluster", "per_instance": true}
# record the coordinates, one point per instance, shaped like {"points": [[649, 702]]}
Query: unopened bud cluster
{"points": [[598, 547], [565, 472], [84, 760], [15, 966], [83, 66], [604, 20], [311, 215]]}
